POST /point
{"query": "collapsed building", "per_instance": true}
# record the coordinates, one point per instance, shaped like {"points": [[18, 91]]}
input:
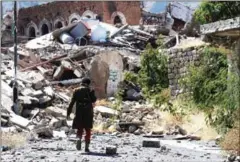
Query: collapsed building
{"points": [[84, 41], [39, 20]]}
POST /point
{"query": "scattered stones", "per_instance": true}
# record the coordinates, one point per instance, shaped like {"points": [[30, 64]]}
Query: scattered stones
{"points": [[44, 132], [163, 148], [231, 158], [132, 128]]}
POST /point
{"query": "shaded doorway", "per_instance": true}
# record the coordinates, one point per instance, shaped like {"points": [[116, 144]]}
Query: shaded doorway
{"points": [[45, 29], [32, 33]]}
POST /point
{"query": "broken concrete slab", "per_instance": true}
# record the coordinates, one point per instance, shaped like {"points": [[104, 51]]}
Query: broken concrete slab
{"points": [[6, 89], [60, 134], [105, 111], [20, 121], [27, 92], [48, 91], [44, 132], [181, 137], [42, 70], [66, 65], [78, 73], [37, 93], [151, 143], [58, 112], [6, 103]]}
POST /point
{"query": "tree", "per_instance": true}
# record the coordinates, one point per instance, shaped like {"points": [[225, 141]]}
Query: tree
{"points": [[210, 11]]}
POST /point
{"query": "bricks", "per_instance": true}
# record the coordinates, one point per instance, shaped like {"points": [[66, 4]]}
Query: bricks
{"points": [[151, 143], [36, 14], [111, 150]]}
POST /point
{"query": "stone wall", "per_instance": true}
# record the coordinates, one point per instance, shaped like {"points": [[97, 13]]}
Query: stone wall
{"points": [[179, 60]]}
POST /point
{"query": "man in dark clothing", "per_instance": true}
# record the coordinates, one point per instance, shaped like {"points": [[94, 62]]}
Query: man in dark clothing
{"points": [[83, 120]]}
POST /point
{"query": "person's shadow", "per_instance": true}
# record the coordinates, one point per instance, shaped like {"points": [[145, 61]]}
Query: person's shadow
{"points": [[93, 153]]}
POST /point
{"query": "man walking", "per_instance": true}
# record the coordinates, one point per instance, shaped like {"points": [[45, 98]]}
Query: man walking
{"points": [[83, 120]]}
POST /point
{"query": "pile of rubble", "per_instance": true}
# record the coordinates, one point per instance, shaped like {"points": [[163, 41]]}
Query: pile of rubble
{"points": [[51, 66], [49, 69]]}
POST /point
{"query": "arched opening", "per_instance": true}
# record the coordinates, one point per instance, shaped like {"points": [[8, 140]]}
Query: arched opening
{"points": [[45, 29], [117, 20], [32, 33], [87, 16], [58, 25]]}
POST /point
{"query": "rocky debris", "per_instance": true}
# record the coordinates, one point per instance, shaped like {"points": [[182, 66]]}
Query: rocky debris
{"points": [[231, 158], [111, 150], [105, 111], [190, 137], [151, 143]]}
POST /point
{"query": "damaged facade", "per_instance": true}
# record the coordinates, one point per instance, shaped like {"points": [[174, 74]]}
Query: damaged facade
{"points": [[39, 20], [180, 13]]}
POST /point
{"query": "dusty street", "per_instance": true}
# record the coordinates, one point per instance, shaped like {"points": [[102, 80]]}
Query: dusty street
{"points": [[129, 148]]}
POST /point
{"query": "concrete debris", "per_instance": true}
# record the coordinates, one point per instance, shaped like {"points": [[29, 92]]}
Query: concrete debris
{"points": [[111, 150], [105, 111], [50, 67], [151, 143], [60, 134]]}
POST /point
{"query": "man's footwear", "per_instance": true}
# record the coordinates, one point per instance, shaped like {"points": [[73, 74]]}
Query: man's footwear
{"points": [[87, 146], [79, 143]]}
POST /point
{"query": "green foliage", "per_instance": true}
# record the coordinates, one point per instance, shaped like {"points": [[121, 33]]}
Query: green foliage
{"points": [[153, 75], [209, 80], [118, 100], [209, 83], [161, 98], [211, 11], [131, 77]]}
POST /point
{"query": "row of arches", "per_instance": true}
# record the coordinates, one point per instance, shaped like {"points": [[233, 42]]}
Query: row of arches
{"points": [[46, 26]]}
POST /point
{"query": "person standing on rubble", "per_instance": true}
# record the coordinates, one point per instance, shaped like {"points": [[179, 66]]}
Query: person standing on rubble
{"points": [[85, 100]]}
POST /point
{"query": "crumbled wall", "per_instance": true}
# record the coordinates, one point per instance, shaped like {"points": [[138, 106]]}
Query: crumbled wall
{"points": [[179, 60]]}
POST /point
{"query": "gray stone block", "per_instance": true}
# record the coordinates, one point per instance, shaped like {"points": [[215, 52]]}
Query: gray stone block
{"points": [[171, 76], [151, 143], [189, 53], [111, 150], [170, 82], [169, 70], [194, 52], [174, 50]]}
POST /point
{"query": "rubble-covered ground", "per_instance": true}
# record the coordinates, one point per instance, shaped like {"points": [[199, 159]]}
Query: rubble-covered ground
{"points": [[49, 70], [129, 148]]}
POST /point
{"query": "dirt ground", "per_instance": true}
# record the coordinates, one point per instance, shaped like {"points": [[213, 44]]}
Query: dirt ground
{"points": [[129, 148]]}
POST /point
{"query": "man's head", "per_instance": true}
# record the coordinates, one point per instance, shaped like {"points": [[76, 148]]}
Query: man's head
{"points": [[86, 81]]}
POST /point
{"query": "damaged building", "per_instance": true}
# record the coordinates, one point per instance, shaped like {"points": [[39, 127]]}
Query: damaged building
{"points": [[39, 20], [180, 13]]}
